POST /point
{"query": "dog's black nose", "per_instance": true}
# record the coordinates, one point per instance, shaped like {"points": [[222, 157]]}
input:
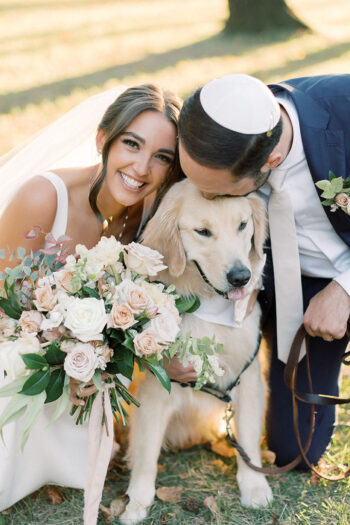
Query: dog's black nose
{"points": [[238, 276]]}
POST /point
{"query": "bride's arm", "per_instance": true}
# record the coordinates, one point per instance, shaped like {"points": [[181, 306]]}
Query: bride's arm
{"points": [[34, 203]]}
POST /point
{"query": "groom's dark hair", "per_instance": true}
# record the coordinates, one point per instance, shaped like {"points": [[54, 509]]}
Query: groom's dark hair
{"points": [[212, 145]]}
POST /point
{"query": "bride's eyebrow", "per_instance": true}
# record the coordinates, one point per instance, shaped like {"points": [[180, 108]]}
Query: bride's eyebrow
{"points": [[140, 139]]}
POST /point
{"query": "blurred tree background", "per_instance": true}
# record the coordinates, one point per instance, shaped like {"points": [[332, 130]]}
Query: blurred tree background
{"points": [[56, 53]]}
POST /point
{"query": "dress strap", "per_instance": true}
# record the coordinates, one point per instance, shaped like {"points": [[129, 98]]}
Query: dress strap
{"points": [[59, 226]]}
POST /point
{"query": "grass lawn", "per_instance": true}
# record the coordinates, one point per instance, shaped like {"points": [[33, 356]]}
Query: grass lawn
{"points": [[56, 53]]}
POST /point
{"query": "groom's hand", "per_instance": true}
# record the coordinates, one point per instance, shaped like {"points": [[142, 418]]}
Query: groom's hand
{"points": [[328, 313], [178, 372]]}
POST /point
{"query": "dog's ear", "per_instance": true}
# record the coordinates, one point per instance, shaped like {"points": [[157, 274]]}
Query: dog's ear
{"points": [[260, 223], [162, 232]]}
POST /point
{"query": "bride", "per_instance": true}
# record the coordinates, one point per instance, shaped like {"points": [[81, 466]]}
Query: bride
{"points": [[111, 195]]}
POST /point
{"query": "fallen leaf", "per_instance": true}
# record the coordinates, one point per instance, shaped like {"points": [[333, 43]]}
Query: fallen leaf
{"points": [[223, 449], [268, 456], [161, 468], [107, 512], [118, 505], [210, 503], [314, 479], [192, 505], [7, 511], [55, 495], [220, 466], [275, 520], [170, 494], [163, 518]]}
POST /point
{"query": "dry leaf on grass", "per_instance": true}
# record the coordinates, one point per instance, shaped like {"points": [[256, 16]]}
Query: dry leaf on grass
{"points": [[268, 456], [223, 449], [118, 505], [170, 494], [210, 503], [220, 466], [314, 479], [55, 495], [161, 468]]}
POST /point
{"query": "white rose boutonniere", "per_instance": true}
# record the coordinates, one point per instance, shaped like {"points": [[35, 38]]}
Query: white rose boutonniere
{"points": [[336, 192]]}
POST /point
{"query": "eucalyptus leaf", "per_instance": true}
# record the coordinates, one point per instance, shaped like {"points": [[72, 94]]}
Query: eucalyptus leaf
{"points": [[17, 403], [33, 413], [98, 380], [34, 361], [2, 254], [36, 383], [329, 193], [12, 388], [21, 252]]}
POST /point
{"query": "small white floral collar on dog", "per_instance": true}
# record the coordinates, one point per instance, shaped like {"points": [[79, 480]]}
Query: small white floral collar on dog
{"points": [[336, 192]]}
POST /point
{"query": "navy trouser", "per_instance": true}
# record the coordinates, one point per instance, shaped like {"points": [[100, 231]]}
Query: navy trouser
{"points": [[325, 364]]}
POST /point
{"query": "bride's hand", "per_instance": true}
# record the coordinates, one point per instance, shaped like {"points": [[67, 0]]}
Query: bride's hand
{"points": [[178, 372]]}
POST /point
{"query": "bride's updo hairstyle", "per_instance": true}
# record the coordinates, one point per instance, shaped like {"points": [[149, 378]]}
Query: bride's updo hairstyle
{"points": [[119, 116]]}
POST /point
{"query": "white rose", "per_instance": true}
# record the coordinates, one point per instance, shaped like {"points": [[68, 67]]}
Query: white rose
{"points": [[7, 326], [165, 327], [80, 362], [70, 263], [11, 351], [53, 320], [143, 260], [106, 251], [86, 318]]}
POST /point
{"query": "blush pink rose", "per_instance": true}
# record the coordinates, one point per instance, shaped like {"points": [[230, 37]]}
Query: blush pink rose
{"points": [[30, 321], [342, 200], [121, 316], [45, 298], [63, 281], [146, 344]]}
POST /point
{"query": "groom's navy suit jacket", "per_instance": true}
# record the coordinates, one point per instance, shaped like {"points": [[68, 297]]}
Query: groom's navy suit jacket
{"points": [[323, 106]]}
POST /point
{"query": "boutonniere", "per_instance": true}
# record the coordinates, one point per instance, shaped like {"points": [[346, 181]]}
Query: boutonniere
{"points": [[336, 192]]}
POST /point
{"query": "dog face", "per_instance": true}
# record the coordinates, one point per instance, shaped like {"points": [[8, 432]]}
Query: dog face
{"points": [[223, 238]]}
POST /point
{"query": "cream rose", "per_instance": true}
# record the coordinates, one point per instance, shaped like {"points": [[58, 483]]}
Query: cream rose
{"points": [[53, 320], [30, 321], [45, 298], [86, 318], [63, 281], [80, 362], [135, 296], [106, 251], [143, 260], [11, 351], [342, 199], [7, 327], [165, 327], [121, 316], [146, 344]]}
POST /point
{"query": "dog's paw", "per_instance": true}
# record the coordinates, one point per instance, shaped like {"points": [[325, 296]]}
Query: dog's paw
{"points": [[255, 493], [134, 513]]}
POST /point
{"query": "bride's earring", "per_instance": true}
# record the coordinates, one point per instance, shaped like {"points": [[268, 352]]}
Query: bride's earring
{"points": [[99, 151]]}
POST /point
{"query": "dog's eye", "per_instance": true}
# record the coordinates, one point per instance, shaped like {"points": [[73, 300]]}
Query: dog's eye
{"points": [[204, 232], [242, 226]]}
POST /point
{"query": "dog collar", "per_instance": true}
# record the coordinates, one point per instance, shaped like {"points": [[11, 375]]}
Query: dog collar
{"points": [[204, 277]]}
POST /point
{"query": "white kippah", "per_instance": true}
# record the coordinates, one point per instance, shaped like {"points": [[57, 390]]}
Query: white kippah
{"points": [[240, 103]]}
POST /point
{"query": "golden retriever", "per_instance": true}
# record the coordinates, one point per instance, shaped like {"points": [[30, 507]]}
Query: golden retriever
{"points": [[224, 237]]}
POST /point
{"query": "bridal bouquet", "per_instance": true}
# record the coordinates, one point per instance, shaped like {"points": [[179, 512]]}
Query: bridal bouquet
{"points": [[68, 330]]}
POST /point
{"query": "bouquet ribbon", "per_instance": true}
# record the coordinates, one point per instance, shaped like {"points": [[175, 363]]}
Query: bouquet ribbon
{"points": [[100, 444]]}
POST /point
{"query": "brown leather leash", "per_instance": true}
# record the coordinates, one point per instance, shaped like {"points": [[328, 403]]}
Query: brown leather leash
{"points": [[290, 378]]}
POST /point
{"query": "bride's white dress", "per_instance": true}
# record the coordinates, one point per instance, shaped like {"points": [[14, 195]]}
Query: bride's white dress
{"points": [[54, 453]]}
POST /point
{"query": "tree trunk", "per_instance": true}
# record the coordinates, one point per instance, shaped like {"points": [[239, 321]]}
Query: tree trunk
{"points": [[260, 15]]}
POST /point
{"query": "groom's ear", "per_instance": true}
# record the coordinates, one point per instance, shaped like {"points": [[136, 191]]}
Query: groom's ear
{"points": [[100, 139]]}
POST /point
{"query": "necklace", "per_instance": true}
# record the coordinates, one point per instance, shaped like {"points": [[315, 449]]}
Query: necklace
{"points": [[124, 224]]}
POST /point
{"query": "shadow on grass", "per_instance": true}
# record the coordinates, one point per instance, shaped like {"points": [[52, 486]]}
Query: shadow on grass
{"points": [[219, 45]]}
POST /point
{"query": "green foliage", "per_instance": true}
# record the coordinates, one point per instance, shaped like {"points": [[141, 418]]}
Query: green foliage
{"points": [[36, 383], [55, 385], [187, 304], [153, 364], [55, 356], [34, 361]]}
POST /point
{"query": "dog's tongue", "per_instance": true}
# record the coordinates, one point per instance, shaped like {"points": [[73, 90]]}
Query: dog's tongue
{"points": [[236, 294]]}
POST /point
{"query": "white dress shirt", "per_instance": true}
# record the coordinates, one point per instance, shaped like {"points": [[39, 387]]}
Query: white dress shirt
{"points": [[322, 252]]}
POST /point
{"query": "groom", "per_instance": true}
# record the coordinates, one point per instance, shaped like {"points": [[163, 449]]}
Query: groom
{"points": [[237, 136]]}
